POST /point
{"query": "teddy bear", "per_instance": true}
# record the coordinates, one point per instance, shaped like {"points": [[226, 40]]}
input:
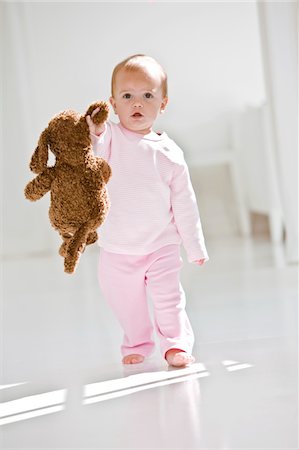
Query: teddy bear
{"points": [[77, 181]]}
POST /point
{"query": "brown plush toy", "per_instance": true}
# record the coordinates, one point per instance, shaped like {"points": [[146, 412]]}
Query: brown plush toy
{"points": [[77, 181]]}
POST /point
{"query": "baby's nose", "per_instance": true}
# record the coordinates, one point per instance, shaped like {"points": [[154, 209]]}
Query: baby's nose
{"points": [[138, 103]]}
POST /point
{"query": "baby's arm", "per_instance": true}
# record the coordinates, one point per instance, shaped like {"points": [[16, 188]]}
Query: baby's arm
{"points": [[100, 136], [186, 214]]}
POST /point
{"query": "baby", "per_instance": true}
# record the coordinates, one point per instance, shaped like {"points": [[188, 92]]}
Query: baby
{"points": [[153, 210]]}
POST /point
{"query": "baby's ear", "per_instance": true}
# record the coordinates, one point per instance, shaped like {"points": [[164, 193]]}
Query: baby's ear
{"points": [[163, 105], [39, 158]]}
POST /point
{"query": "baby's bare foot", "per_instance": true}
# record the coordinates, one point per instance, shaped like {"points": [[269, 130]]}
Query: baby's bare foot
{"points": [[133, 359], [178, 358]]}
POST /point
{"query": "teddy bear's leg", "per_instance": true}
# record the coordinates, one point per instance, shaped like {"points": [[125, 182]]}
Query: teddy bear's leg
{"points": [[75, 247], [92, 238], [63, 248]]}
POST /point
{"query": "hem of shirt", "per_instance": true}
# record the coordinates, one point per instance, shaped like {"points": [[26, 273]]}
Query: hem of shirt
{"points": [[140, 252]]}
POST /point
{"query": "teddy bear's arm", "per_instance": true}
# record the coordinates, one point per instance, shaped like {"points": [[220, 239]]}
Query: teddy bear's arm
{"points": [[40, 185], [105, 169], [99, 170]]}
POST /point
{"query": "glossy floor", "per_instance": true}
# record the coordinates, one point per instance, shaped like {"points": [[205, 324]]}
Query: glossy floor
{"points": [[63, 385]]}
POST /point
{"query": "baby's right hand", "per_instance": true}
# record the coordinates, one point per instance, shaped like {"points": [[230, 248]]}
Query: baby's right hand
{"points": [[93, 127]]}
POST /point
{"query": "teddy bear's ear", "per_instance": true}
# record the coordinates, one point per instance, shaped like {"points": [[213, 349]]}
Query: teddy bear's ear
{"points": [[39, 158], [101, 115]]}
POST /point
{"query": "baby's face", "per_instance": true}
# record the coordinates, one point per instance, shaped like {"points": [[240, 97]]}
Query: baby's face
{"points": [[138, 100]]}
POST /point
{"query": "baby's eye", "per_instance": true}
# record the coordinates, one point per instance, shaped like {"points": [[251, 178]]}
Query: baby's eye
{"points": [[148, 95], [127, 96]]}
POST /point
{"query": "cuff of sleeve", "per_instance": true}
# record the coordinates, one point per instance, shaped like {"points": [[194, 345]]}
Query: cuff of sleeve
{"points": [[197, 252], [95, 135], [98, 138]]}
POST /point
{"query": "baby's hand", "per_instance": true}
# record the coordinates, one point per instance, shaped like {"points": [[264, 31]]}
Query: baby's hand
{"points": [[199, 261], [94, 128]]}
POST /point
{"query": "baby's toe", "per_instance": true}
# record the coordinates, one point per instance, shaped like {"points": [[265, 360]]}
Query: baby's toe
{"points": [[182, 359], [133, 359]]}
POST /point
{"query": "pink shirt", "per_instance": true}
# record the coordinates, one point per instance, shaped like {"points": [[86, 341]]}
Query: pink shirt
{"points": [[152, 199]]}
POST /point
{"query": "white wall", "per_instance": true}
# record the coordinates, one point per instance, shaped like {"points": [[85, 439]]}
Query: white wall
{"points": [[61, 55], [279, 37]]}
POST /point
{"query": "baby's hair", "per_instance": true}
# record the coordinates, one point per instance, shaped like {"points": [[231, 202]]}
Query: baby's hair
{"points": [[140, 62]]}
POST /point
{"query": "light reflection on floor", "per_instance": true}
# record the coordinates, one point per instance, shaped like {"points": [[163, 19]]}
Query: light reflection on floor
{"points": [[52, 402], [62, 371]]}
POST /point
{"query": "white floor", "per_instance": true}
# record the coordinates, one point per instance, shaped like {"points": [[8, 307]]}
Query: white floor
{"points": [[63, 385]]}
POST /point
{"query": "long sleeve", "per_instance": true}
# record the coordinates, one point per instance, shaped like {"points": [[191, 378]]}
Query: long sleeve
{"points": [[186, 214], [101, 144]]}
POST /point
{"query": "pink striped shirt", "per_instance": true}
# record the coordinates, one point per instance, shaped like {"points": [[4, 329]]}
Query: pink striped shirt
{"points": [[153, 203]]}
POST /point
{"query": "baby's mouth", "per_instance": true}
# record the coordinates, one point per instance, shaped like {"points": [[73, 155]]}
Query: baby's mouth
{"points": [[137, 114]]}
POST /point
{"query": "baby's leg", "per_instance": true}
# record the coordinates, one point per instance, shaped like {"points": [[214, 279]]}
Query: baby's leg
{"points": [[121, 278], [171, 320]]}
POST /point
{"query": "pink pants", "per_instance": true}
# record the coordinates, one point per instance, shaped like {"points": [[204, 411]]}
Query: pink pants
{"points": [[125, 281]]}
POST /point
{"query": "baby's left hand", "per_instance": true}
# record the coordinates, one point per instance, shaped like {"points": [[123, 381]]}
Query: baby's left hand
{"points": [[199, 261]]}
